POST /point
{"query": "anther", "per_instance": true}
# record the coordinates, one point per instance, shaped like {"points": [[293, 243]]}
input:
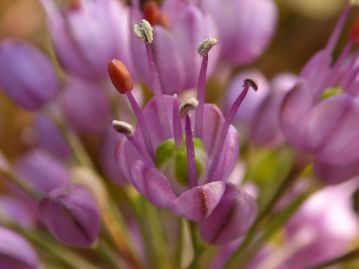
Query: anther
{"points": [[120, 76], [354, 2], [354, 32], [122, 127], [187, 106], [251, 83], [206, 46], [74, 4], [144, 31]]}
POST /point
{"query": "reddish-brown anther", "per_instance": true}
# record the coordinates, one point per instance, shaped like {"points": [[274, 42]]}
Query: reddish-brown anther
{"points": [[354, 32], [120, 76], [153, 14], [74, 4]]}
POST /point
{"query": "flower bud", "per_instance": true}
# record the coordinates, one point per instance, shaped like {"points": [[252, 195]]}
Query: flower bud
{"points": [[15, 252], [231, 218], [26, 75], [71, 215]]}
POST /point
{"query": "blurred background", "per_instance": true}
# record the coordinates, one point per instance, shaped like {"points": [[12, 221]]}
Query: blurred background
{"points": [[303, 28]]}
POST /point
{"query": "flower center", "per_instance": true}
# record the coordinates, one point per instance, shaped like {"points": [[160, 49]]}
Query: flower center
{"points": [[171, 159]]}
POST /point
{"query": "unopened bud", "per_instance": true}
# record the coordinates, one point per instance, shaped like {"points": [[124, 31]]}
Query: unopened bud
{"points": [[251, 83], [144, 31], [71, 215], [122, 127], [120, 76], [206, 46], [187, 106]]}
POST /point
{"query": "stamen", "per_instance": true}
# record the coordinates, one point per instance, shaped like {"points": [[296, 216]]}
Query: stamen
{"points": [[142, 123], [144, 31], [232, 112], [333, 40], [120, 76], [191, 158], [187, 106], [203, 50], [122, 80], [127, 129], [177, 128], [206, 46]]}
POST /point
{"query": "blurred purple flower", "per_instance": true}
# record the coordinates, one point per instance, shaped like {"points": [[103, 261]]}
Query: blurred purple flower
{"points": [[88, 34], [315, 233], [245, 27], [15, 252], [26, 75], [49, 137], [42, 171], [320, 115], [175, 46], [85, 106]]}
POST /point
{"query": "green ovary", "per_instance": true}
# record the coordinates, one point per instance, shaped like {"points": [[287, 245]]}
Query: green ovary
{"points": [[173, 161]]}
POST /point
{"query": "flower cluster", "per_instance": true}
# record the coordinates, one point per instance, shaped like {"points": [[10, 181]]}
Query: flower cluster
{"points": [[125, 163]]}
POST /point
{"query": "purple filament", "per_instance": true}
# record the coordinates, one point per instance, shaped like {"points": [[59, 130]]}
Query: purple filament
{"points": [[191, 158], [142, 123], [155, 76], [200, 97], [232, 112], [177, 128]]}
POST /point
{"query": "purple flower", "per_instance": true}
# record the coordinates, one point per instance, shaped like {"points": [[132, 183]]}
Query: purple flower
{"points": [[71, 215], [245, 27], [26, 75], [88, 34], [320, 115], [316, 234], [50, 138], [42, 171], [18, 211], [175, 46], [86, 107], [16, 252], [174, 166]]}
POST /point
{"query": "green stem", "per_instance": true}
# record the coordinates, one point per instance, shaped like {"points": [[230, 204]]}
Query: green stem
{"points": [[196, 246], [157, 238], [351, 255], [251, 234], [179, 248], [107, 254], [61, 253], [21, 183], [73, 141]]}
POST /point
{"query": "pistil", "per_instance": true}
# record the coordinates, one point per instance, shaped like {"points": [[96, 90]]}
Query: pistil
{"points": [[177, 128], [232, 112]]}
